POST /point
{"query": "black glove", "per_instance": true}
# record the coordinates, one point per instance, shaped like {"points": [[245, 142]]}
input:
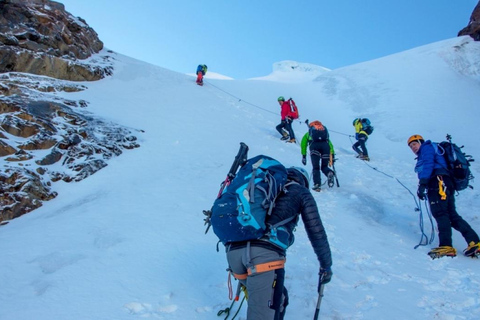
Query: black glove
{"points": [[325, 276], [304, 160], [421, 191]]}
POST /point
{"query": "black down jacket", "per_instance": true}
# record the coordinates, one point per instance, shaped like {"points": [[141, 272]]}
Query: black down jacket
{"points": [[297, 200]]}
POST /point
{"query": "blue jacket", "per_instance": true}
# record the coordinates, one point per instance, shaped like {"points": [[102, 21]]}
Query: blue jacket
{"points": [[429, 162]]}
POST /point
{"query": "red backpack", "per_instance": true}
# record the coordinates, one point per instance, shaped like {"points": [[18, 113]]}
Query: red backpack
{"points": [[293, 109]]}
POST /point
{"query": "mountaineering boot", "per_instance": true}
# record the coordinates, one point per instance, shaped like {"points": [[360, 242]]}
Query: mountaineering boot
{"points": [[284, 138], [292, 140], [359, 155], [442, 251], [473, 250], [316, 187], [330, 178], [364, 158]]}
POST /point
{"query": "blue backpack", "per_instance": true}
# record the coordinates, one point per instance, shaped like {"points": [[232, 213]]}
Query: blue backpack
{"points": [[240, 212], [367, 126]]}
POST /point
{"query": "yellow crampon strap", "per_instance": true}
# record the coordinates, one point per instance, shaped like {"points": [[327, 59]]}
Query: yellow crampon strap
{"points": [[441, 188]]}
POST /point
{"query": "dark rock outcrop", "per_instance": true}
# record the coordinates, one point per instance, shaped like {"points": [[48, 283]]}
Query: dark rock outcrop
{"points": [[44, 136], [40, 37], [473, 28]]}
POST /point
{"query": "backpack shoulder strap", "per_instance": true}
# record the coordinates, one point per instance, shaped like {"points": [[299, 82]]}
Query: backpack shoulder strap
{"points": [[439, 152], [289, 183], [439, 149], [283, 222]]}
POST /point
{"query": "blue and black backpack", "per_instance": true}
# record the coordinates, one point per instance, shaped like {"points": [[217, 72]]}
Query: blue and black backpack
{"points": [[458, 163], [367, 126], [240, 212]]}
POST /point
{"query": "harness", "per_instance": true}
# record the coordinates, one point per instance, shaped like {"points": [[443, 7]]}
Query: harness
{"points": [[257, 268], [260, 268]]}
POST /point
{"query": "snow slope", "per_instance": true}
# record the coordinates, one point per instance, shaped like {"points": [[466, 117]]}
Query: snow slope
{"points": [[129, 242], [292, 71]]}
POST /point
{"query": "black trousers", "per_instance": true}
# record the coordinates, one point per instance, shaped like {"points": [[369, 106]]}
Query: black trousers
{"points": [[445, 213], [361, 142], [287, 125], [320, 156]]}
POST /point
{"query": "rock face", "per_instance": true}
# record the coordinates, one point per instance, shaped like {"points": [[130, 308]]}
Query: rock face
{"points": [[45, 137], [473, 28], [40, 37]]}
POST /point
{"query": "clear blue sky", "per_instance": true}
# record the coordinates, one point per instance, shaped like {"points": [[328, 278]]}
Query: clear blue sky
{"points": [[243, 38]]}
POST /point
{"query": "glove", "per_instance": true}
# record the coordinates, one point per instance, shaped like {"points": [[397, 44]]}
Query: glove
{"points": [[304, 160], [356, 136], [421, 191], [325, 275]]}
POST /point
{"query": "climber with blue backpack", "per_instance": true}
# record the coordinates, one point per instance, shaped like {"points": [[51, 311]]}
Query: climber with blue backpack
{"points": [[201, 71], [254, 217], [363, 128], [437, 175]]}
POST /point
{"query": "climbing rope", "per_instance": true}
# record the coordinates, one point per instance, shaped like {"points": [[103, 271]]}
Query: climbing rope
{"points": [[424, 236], [344, 134], [240, 100], [417, 205], [418, 208], [227, 311]]}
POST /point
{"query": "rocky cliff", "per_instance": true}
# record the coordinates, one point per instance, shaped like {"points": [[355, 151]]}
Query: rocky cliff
{"points": [[40, 37], [45, 137], [473, 27]]}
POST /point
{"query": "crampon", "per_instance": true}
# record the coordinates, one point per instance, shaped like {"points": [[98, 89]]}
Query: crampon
{"points": [[473, 250], [443, 251]]}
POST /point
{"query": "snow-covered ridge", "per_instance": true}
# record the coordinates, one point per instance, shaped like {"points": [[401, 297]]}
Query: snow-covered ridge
{"points": [[292, 71]]}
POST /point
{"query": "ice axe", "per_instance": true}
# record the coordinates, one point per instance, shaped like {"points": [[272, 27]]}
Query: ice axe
{"points": [[320, 296]]}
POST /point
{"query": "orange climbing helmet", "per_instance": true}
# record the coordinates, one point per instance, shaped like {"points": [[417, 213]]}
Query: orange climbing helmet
{"points": [[415, 137]]}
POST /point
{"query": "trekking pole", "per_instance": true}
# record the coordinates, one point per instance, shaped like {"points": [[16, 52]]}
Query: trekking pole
{"points": [[239, 161], [335, 172], [320, 296]]}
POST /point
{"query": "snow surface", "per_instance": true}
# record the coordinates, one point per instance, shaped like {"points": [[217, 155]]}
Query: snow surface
{"points": [[129, 242], [292, 71]]}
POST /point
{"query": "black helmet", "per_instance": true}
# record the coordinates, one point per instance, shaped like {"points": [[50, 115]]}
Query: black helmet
{"points": [[299, 175]]}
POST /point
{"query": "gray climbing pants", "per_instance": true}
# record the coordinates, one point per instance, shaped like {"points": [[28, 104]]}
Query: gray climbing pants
{"points": [[262, 272]]}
